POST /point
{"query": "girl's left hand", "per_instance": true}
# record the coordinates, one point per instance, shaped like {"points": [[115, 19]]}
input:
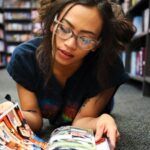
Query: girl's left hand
{"points": [[106, 125]]}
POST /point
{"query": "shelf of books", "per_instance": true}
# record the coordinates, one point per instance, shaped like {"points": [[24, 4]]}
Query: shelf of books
{"points": [[136, 59], [18, 24], [2, 43], [36, 25]]}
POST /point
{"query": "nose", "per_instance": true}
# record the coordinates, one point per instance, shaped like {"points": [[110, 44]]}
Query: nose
{"points": [[71, 43]]}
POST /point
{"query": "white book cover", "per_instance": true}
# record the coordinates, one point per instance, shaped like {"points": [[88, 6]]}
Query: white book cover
{"points": [[146, 21]]}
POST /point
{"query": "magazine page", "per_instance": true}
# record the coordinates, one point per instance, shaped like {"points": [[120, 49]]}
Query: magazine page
{"points": [[102, 144], [16, 134], [68, 137], [73, 138]]}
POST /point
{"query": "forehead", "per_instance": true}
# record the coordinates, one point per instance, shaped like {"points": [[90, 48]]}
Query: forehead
{"points": [[83, 17]]}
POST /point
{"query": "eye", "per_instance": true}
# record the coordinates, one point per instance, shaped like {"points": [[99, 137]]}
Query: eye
{"points": [[85, 40], [64, 29]]}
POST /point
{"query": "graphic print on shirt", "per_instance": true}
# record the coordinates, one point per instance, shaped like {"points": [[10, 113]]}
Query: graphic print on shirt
{"points": [[69, 112], [49, 107]]}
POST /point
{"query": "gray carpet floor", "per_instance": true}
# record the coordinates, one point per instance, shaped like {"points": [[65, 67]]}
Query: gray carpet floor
{"points": [[131, 111]]}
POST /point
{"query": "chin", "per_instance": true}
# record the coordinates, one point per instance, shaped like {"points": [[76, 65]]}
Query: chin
{"points": [[62, 62]]}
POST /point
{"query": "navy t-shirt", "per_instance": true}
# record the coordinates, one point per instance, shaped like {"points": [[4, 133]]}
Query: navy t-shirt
{"points": [[59, 104]]}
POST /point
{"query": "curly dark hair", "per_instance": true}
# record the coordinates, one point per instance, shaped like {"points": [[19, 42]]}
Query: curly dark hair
{"points": [[117, 31]]}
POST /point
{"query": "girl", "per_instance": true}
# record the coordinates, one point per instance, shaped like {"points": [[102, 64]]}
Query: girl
{"points": [[70, 74]]}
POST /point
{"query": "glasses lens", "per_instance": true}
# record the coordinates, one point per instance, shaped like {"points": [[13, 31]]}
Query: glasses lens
{"points": [[86, 43], [63, 31]]}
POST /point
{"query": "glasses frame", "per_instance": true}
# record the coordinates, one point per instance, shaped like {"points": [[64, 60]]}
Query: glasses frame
{"points": [[74, 35]]}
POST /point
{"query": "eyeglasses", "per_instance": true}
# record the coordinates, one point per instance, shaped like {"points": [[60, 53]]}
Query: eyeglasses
{"points": [[65, 32]]}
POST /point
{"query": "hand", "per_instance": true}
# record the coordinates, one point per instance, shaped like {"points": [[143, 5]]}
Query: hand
{"points": [[106, 125], [5, 106]]}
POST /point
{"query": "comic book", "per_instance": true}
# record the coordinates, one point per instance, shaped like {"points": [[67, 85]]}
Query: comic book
{"points": [[15, 134]]}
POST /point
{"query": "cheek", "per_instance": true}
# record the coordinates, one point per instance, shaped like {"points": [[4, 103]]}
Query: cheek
{"points": [[59, 42], [80, 54]]}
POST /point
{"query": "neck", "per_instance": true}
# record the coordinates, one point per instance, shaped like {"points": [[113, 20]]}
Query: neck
{"points": [[62, 73], [66, 70]]}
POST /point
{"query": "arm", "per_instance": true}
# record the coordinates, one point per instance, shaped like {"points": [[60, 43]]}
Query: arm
{"points": [[30, 108], [88, 117]]}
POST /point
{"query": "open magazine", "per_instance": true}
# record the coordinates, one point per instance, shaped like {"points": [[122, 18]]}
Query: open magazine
{"points": [[15, 134], [72, 138]]}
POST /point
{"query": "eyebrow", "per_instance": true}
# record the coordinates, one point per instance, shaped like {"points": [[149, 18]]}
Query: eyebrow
{"points": [[84, 31]]}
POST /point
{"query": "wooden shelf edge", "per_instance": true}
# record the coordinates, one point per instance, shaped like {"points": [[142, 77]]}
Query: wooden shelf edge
{"points": [[18, 31], [13, 42], [2, 51], [2, 66], [147, 79], [140, 35], [18, 20], [137, 78], [6, 9], [142, 4]]}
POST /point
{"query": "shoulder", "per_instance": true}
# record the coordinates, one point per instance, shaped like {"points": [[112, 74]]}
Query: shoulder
{"points": [[117, 68], [28, 47], [116, 75], [22, 66], [25, 51]]}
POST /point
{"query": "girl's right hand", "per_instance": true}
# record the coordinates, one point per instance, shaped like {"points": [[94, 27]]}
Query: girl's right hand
{"points": [[5, 106]]}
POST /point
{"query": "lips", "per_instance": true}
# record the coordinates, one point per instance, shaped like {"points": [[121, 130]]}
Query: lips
{"points": [[65, 54]]}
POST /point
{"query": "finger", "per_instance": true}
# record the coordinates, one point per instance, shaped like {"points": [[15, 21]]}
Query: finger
{"points": [[4, 106], [1, 108], [99, 132], [112, 137], [118, 135]]}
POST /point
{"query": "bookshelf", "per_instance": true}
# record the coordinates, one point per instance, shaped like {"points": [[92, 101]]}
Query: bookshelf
{"points": [[2, 41], [18, 24], [34, 13], [137, 57]]}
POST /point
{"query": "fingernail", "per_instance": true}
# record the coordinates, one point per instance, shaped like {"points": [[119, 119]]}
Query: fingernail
{"points": [[100, 140], [96, 138]]}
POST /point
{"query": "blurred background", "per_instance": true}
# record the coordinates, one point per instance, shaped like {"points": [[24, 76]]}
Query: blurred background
{"points": [[19, 23]]}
